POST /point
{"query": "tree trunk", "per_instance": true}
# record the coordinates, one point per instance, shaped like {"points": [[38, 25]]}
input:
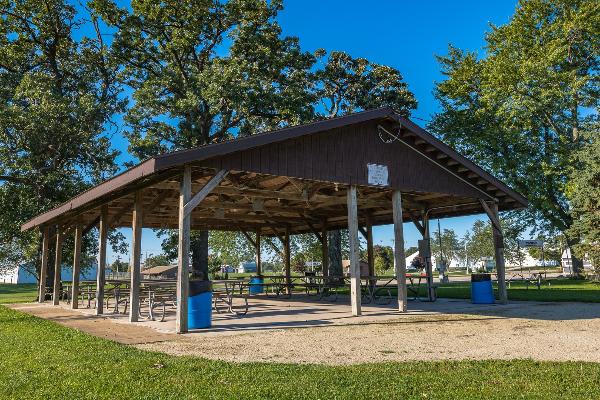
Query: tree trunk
{"points": [[50, 271], [199, 250], [335, 254], [576, 262]]}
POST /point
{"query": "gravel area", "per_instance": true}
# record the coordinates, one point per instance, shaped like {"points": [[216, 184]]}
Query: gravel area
{"points": [[540, 331], [303, 332]]}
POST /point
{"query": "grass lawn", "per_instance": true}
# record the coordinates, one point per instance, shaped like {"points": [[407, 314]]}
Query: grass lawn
{"points": [[21, 293], [558, 290], [43, 360]]}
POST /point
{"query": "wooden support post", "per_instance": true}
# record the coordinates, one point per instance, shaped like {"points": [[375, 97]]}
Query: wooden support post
{"points": [[324, 251], [57, 265], [287, 260], [44, 266], [100, 276], [136, 251], [427, 258], [370, 255], [399, 255], [355, 290], [257, 250], [276, 249], [193, 202], [76, 267], [499, 254], [183, 265]]}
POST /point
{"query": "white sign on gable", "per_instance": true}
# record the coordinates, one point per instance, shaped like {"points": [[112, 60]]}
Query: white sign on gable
{"points": [[531, 243], [378, 175]]}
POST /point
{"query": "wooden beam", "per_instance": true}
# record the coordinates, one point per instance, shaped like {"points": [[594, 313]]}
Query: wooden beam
{"points": [[158, 200], [312, 227], [115, 220], [57, 265], [198, 197], [250, 239], [399, 254], [90, 226], [427, 258], [183, 264], [260, 193], [499, 256], [76, 267], [44, 264], [287, 261], [492, 215], [430, 196], [100, 276], [136, 251], [363, 232], [355, 290], [275, 248], [416, 222]]}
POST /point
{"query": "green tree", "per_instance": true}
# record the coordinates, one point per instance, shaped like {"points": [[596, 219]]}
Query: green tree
{"points": [[120, 266], [344, 85], [156, 260], [202, 70], [383, 258], [479, 243], [450, 245], [232, 248], [584, 192], [411, 250], [518, 111], [58, 92]]}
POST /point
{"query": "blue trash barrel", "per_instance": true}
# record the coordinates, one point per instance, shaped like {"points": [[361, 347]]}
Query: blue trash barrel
{"points": [[200, 305], [256, 285], [482, 291]]}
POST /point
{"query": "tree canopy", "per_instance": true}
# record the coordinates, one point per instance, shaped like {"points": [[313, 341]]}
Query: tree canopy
{"points": [[584, 193], [518, 111], [59, 93]]}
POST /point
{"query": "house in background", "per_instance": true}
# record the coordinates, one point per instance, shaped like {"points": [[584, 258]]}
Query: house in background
{"points": [[160, 272], [22, 274], [364, 267], [227, 269], [249, 266], [567, 266]]}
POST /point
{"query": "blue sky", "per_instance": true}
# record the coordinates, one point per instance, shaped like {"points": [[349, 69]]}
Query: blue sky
{"points": [[404, 34]]}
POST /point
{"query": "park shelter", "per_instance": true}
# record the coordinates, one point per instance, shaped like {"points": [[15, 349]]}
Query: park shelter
{"points": [[357, 171]]}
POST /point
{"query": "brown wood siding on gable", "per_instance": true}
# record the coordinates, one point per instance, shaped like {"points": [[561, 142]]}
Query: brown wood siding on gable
{"points": [[342, 156]]}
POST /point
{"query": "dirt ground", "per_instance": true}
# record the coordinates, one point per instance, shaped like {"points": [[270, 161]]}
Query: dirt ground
{"points": [[443, 330]]}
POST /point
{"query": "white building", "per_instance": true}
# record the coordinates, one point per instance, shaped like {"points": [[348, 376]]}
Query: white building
{"points": [[249, 266], [567, 266]]}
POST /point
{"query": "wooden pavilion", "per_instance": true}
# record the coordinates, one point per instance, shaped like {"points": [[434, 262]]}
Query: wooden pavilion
{"points": [[357, 171]]}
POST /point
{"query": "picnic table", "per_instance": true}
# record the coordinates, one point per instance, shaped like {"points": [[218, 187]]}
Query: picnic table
{"points": [[374, 286], [231, 293], [87, 291], [375, 289], [157, 295], [118, 290]]}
